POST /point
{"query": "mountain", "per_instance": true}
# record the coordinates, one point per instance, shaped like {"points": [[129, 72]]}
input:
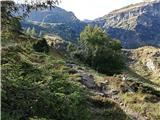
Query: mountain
{"points": [[56, 21], [135, 25], [87, 21]]}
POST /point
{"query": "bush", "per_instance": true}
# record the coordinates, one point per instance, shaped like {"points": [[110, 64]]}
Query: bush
{"points": [[30, 89], [41, 46], [99, 51]]}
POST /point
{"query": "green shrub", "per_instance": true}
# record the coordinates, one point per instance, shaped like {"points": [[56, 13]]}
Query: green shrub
{"points": [[34, 89], [41, 46], [99, 51]]}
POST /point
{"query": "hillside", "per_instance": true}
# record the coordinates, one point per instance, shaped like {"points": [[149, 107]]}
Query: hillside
{"points": [[55, 21], [100, 96], [135, 25], [43, 86], [145, 62]]}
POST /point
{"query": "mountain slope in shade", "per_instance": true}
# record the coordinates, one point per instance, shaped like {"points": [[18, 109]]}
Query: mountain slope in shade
{"points": [[55, 21], [135, 25]]}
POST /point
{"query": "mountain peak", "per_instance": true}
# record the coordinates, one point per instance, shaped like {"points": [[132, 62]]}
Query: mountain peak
{"points": [[135, 25], [134, 6]]}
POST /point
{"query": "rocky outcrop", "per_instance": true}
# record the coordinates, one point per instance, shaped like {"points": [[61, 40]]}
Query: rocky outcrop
{"points": [[145, 61], [151, 65], [57, 43]]}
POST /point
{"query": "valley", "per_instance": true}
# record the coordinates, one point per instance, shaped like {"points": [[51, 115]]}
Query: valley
{"points": [[57, 67]]}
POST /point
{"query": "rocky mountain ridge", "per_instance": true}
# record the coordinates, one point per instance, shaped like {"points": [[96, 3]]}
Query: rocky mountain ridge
{"points": [[135, 25]]}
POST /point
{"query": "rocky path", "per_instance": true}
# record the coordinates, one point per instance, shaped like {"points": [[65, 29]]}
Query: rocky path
{"points": [[88, 80]]}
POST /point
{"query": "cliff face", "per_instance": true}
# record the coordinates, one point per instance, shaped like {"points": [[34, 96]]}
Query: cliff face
{"points": [[135, 25]]}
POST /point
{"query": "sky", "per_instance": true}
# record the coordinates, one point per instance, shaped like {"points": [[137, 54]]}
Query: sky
{"points": [[92, 9]]}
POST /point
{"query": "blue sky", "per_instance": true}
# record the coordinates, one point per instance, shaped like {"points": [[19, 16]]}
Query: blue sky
{"points": [[91, 9]]}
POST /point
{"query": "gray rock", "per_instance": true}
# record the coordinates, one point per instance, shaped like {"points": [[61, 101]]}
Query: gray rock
{"points": [[88, 80]]}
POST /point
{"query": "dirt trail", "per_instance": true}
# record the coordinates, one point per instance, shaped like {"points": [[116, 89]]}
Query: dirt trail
{"points": [[88, 80]]}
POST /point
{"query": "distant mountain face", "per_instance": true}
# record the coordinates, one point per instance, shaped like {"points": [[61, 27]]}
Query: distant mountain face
{"points": [[55, 21], [135, 25]]}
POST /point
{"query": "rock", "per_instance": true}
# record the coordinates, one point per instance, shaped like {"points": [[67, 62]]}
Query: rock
{"points": [[88, 80], [72, 71], [151, 65], [135, 86], [115, 92], [115, 98], [146, 62], [107, 95], [121, 104], [123, 89], [100, 94], [71, 65], [57, 43]]}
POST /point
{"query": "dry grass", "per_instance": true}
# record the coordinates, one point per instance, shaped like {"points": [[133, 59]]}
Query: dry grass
{"points": [[141, 57], [138, 103]]}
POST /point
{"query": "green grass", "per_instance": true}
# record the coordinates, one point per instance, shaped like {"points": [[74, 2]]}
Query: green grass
{"points": [[32, 81]]}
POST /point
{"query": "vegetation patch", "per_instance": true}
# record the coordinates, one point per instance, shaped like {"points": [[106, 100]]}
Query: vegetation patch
{"points": [[98, 50]]}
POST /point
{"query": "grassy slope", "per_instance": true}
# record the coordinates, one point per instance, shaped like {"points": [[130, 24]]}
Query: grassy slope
{"points": [[14, 60], [23, 69], [146, 100], [100, 108], [143, 102], [138, 66]]}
